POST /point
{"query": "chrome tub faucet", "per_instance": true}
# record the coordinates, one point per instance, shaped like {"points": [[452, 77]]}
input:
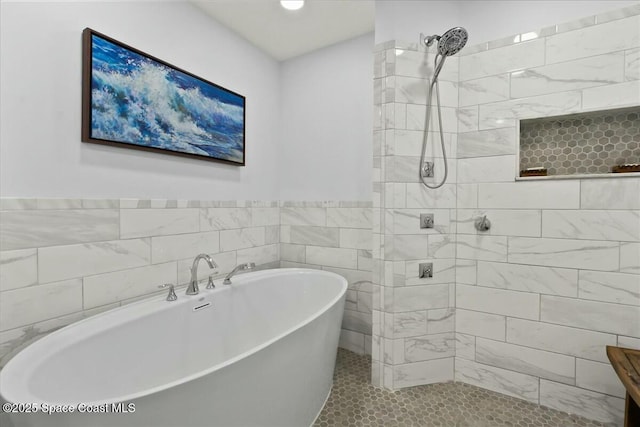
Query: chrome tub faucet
{"points": [[193, 284], [242, 267]]}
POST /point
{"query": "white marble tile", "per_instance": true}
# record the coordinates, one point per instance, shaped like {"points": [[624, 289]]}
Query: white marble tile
{"points": [[593, 315], [530, 195], [38, 228], [12, 203], [610, 287], [427, 372], [467, 196], [411, 90], [335, 257], [496, 379], [466, 271], [480, 324], [135, 203], [589, 404], [526, 360], [618, 95], [157, 222], [114, 287], [429, 347], [356, 321], [170, 248], [294, 253], [265, 216], [615, 14], [33, 304], [632, 64], [420, 64], [506, 113], [272, 234], [410, 324], [420, 197], [59, 203], [355, 238], [409, 143], [610, 194], [468, 119], [497, 61], [582, 73], [598, 377], [260, 255], [596, 225], [231, 240], [487, 169], [484, 90], [630, 258], [441, 320], [588, 254], [504, 222], [18, 269], [504, 302], [491, 142], [407, 246], [528, 278], [317, 236], [224, 218], [416, 298], [488, 248], [441, 246], [100, 203], [303, 216], [581, 343], [595, 40], [352, 341], [416, 115], [65, 262], [465, 346], [629, 342], [365, 303], [349, 217]]}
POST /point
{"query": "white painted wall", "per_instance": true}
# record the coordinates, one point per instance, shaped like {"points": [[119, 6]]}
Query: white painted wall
{"points": [[485, 20], [40, 148], [327, 123]]}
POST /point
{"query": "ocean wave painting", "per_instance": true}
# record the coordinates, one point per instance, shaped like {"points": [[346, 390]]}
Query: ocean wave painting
{"points": [[135, 99]]}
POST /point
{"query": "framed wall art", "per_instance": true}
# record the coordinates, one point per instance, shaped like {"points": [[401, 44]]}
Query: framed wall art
{"points": [[132, 99]]}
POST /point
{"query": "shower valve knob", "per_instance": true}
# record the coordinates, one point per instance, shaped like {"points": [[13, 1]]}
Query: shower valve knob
{"points": [[426, 220]]}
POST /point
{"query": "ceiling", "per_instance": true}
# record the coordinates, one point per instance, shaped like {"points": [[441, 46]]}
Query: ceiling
{"points": [[284, 34]]}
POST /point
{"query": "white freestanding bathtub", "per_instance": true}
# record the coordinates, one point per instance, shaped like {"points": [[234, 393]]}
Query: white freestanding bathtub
{"points": [[260, 352]]}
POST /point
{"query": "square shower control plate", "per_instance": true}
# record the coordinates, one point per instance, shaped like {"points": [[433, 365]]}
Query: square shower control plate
{"points": [[426, 220], [425, 270]]}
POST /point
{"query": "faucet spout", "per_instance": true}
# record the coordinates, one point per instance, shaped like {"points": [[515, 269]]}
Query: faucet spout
{"points": [[193, 284], [242, 267]]}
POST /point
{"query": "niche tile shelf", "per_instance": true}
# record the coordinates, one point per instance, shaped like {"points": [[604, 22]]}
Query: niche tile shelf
{"points": [[581, 145]]}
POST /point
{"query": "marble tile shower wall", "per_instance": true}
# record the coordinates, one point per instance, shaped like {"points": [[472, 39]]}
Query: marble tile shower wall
{"points": [[65, 259], [557, 278], [334, 236], [413, 322]]}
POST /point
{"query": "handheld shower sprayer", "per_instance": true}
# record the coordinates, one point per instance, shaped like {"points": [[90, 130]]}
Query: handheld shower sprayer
{"points": [[450, 43]]}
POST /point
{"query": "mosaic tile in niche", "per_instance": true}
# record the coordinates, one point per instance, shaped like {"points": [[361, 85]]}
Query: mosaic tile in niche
{"points": [[589, 143]]}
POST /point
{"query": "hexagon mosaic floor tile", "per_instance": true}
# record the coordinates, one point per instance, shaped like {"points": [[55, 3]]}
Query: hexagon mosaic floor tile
{"points": [[581, 144], [355, 402]]}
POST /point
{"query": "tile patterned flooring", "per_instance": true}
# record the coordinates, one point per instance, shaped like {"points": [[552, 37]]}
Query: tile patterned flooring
{"points": [[355, 402]]}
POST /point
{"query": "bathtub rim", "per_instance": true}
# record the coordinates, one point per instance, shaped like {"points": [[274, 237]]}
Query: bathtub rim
{"points": [[35, 355]]}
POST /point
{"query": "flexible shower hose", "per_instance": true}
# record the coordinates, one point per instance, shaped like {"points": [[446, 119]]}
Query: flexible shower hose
{"points": [[437, 67]]}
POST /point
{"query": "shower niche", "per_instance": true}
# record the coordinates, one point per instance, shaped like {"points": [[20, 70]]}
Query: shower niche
{"points": [[593, 144]]}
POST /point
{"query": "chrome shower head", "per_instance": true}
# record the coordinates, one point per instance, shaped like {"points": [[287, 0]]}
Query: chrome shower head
{"points": [[452, 41]]}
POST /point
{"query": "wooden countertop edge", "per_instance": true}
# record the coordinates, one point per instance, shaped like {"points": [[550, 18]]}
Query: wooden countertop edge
{"points": [[626, 372]]}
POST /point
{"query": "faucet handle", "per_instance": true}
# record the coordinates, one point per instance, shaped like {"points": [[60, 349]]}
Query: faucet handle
{"points": [[172, 292], [210, 284]]}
